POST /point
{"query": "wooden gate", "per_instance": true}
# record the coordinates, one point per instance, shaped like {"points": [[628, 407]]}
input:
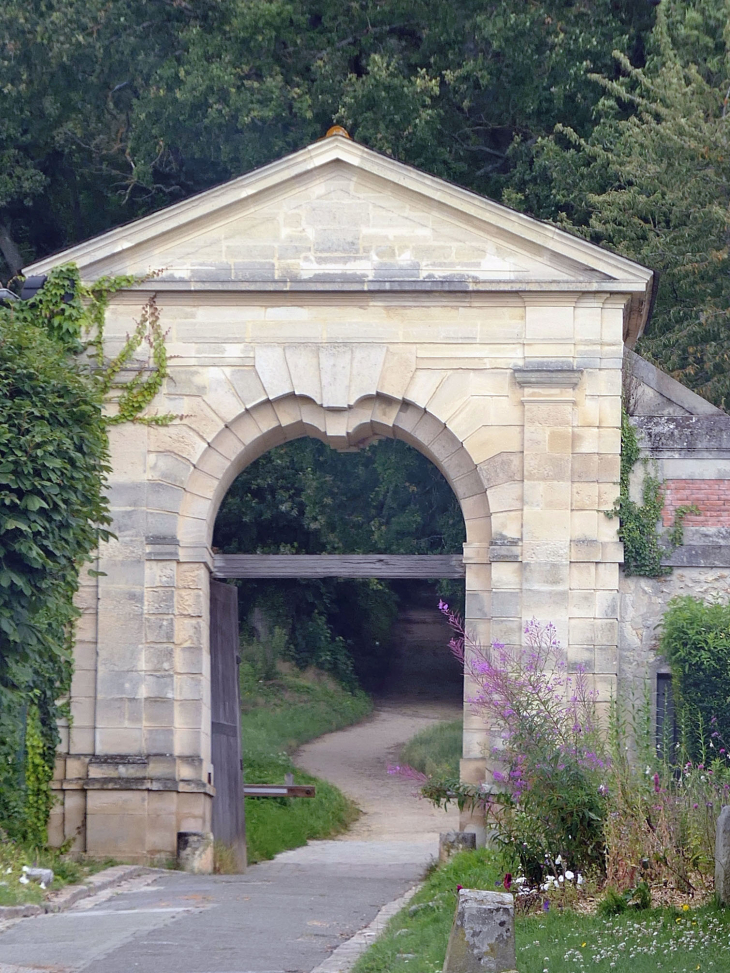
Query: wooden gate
{"points": [[228, 807]]}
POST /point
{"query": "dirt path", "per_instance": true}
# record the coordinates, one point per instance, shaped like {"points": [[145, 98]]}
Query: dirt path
{"points": [[356, 761]]}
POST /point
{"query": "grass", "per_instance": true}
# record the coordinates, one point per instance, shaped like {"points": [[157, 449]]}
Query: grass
{"points": [[559, 941], [278, 716], [65, 871], [436, 751]]}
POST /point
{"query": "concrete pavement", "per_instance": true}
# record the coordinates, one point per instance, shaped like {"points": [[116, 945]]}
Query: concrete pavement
{"points": [[282, 916]]}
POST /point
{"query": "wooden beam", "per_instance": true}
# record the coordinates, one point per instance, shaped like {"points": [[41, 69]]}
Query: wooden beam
{"points": [[338, 566], [279, 790]]}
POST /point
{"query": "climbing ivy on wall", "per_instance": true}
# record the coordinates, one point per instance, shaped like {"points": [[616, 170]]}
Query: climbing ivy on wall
{"points": [[55, 388], [645, 549]]}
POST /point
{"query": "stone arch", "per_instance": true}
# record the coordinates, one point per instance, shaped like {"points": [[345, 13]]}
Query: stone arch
{"points": [[269, 424]]}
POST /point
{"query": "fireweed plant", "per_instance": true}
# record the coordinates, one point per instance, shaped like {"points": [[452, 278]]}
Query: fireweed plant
{"points": [[547, 799], [569, 794]]}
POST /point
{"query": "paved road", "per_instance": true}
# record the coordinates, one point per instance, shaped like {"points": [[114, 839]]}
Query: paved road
{"points": [[281, 916], [284, 915]]}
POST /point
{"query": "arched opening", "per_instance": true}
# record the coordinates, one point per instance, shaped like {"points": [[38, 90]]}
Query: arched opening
{"points": [[304, 498], [260, 430]]}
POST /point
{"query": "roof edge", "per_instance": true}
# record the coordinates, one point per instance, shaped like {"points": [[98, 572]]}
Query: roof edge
{"points": [[669, 388], [339, 148]]}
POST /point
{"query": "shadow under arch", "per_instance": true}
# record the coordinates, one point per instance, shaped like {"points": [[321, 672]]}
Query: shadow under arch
{"points": [[272, 423]]}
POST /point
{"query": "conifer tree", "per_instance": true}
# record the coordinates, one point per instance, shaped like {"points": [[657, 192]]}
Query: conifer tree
{"points": [[652, 181]]}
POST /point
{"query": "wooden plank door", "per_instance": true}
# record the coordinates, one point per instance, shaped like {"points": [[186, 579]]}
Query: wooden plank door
{"points": [[228, 807]]}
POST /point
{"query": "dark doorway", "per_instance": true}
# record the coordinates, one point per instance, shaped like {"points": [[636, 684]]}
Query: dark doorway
{"points": [[228, 807], [418, 663]]}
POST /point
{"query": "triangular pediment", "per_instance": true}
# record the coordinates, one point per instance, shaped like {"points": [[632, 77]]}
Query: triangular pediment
{"points": [[341, 214]]}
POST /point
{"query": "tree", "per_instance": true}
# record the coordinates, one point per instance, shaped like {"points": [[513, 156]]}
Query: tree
{"points": [[70, 76], [652, 181], [443, 86], [112, 108]]}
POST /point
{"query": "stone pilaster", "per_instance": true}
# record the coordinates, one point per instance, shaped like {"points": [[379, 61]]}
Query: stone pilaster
{"points": [[548, 395]]}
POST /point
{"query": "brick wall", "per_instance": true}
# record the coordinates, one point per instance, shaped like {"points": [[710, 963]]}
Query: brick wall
{"points": [[711, 496]]}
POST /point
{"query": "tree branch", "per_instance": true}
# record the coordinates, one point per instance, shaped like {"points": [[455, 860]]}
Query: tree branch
{"points": [[10, 251]]}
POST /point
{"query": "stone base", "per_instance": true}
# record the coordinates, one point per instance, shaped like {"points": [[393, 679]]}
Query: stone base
{"points": [[134, 821], [472, 770], [195, 852], [722, 857], [452, 842]]}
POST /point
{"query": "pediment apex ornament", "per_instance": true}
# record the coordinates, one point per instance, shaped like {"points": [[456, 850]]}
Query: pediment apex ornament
{"points": [[337, 130]]}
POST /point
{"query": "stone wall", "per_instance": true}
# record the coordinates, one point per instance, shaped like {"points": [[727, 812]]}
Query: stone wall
{"points": [[642, 604], [686, 443]]}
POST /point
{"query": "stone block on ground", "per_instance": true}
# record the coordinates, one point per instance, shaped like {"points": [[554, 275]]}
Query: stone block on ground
{"points": [[195, 852], [482, 937], [452, 842], [722, 857]]}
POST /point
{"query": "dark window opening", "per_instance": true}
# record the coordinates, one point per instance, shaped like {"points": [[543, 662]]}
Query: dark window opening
{"points": [[667, 735]]}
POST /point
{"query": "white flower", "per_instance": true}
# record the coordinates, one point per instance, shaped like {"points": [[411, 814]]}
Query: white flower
{"points": [[569, 875]]}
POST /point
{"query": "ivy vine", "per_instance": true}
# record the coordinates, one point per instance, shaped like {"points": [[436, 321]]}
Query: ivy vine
{"points": [[645, 549], [58, 397], [38, 775]]}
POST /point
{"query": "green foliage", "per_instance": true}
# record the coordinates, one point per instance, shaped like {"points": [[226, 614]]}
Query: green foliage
{"points": [[54, 387], [663, 806], [278, 716], [613, 903], [643, 553], [52, 514], [652, 181], [644, 550], [695, 641], [546, 803], [436, 751], [260, 658], [305, 498], [38, 774], [616, 903]]}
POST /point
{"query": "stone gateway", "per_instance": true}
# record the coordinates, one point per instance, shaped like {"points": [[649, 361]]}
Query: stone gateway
{"points": [[342, 295]]}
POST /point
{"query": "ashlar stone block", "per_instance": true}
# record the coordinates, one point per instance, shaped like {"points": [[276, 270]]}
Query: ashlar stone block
{"points": [[273, 371]]}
